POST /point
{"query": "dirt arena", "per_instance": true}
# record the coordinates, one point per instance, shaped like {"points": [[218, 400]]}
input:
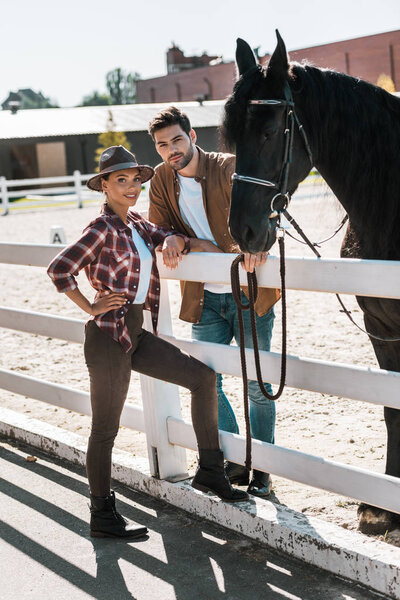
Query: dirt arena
{"points": [[335, 428]]}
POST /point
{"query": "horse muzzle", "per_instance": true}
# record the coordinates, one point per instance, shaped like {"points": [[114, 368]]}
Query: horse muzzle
{"points": [[251, 237]]}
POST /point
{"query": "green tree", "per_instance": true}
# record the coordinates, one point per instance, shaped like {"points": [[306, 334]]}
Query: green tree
{"points": [[121, 86], [96, 99], [39, 102], [110, 138]]}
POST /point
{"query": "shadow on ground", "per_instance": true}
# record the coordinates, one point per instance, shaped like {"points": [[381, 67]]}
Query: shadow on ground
{"points": [[44, 530]]}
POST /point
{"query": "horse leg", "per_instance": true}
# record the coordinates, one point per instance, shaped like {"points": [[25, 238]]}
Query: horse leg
{"points": [[382, 318]]}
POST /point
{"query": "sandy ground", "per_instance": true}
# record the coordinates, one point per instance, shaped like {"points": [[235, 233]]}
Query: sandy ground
{"points": [[336, 428]]}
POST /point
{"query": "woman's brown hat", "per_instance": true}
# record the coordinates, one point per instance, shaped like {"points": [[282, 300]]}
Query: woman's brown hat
{"points": [[117, 158]]}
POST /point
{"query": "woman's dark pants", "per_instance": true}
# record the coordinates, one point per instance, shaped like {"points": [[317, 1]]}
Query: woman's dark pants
{"points": [[110, 371]]}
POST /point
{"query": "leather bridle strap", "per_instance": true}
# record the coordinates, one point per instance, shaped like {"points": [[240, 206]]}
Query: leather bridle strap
{"points": [[281, 186], [247, 179]]}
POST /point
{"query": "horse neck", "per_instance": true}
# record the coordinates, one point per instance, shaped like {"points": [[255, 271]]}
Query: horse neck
{"points": [[354, 133]]}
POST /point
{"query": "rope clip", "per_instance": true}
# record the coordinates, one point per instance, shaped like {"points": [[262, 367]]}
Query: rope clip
{"points": [[280, 232]]}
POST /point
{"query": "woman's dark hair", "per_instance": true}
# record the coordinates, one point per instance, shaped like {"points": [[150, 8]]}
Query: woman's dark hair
{"points": [[105, 176], [167, 117]]}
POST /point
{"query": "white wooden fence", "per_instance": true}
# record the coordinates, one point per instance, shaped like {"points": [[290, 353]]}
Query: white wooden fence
{"points": [[60, 190], [168, 435], [33, 189]]}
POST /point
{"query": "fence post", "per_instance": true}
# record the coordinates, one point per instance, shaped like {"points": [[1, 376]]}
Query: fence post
{"points": [[4, 195], [160, 401], [78, 187]]}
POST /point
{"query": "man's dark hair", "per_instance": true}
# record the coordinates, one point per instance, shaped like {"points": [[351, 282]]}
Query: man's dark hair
{"points": [[167, 117]]}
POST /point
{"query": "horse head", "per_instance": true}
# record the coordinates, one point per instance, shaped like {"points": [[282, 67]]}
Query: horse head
{"points": [[258, 133]]}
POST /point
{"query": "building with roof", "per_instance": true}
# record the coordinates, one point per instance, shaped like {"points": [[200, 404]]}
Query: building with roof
{"points": [[366, 57], [189, 78], [177, 61], [26, 98], [57, 141]]}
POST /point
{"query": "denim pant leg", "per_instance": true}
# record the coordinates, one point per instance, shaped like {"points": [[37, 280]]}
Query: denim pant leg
{"points": [[214, 327], [262, 411]]}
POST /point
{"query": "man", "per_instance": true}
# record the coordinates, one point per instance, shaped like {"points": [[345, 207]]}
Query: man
{"points": [[190, 192]]}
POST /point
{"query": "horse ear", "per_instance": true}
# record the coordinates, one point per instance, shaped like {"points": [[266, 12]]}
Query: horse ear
{"points": [[245, 58], [278, 65]]}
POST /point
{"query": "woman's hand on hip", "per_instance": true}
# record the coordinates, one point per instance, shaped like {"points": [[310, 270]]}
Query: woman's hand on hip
{"points": [[108, 302]]}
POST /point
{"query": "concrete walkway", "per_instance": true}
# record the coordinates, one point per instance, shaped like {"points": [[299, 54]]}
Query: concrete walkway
{"points": [[46, 553]]}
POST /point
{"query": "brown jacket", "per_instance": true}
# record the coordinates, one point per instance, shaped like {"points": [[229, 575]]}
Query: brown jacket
{"points": [[214, 174]]}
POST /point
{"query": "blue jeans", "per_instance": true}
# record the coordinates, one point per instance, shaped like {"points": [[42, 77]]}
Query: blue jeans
{"points": [[219, 324]]}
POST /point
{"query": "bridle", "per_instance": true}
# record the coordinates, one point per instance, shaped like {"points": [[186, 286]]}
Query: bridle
{"points": [[281, 186], [276, 208]]}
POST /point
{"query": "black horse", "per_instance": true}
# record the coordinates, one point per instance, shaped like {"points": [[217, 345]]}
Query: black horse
{"points": [[352, 136]]}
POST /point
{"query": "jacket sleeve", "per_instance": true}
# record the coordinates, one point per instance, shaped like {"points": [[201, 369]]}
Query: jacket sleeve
{"points": [[158, 210], [229, 166], [66, 265]]}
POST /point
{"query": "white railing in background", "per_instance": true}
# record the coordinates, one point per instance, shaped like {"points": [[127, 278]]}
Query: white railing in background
{"points": [[167, 435], [56, 193]]}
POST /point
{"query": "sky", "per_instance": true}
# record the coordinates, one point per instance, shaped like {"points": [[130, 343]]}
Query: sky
{"points": [[65, 49]]}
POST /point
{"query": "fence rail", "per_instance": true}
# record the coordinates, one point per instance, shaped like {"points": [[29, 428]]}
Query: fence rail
{"points": [[167, 434], [63, 396], [366, 384], [345, 276]]}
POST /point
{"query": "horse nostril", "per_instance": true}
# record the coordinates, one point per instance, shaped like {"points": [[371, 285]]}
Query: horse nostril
{"points": [[247, 234]]}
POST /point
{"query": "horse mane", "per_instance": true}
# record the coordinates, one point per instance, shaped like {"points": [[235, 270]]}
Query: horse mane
{"points": [[235, 107], [354, 130]]}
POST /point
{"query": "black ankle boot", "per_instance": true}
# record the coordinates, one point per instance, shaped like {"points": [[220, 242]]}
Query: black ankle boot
{"points": [[105, 521], [211, 477], [260, 484], [237, 473]]}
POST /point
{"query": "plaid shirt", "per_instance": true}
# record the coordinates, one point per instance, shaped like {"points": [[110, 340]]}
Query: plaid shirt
{"points": [[111, 261]]}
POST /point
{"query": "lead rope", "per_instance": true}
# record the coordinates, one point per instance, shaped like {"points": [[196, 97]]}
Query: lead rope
{"points": [[253, 293]]}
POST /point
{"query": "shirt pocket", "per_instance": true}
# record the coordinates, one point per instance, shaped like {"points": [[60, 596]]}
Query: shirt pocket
{"points": [[116, 265]]}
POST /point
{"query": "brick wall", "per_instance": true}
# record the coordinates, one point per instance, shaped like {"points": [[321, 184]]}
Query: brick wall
{"points": [[213, 83], [366, 57]]}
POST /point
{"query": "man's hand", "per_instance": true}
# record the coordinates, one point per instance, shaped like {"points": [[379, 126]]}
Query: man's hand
{"points": [[172, 251], [251, 261]]}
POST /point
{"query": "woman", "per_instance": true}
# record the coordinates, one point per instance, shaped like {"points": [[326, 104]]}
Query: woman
{"points": [[117, 251]]}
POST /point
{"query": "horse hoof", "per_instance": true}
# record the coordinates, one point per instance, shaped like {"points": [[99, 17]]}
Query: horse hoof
{"points": [[375, 521]]}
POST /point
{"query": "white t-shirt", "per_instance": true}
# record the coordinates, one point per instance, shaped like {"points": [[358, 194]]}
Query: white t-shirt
{"points": [[146, 262], [191, 207]]}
